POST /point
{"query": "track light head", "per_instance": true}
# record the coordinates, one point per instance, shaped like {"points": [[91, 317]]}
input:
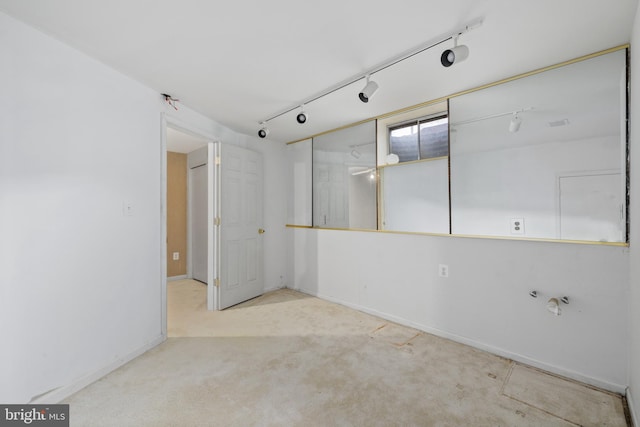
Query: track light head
{"points": [[454, 55], [263, 132], [302, 116], [368, 91], [514, 124]]}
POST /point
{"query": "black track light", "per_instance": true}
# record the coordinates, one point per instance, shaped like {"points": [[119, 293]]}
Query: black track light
{"points": [[264, 130], [302, 116]]}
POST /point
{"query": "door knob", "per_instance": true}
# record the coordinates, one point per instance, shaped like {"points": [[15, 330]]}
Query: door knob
{"points": [[261, 230]]}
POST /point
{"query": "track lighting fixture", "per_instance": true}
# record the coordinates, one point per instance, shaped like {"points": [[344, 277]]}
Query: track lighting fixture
{"points": [[454, 55], [368, 91], [264, 130], [369, 171], [514, 124], [302, 115], [392, 159], [449, 57]]}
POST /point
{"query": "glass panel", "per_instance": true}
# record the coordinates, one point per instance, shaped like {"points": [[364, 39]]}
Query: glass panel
{"points": [[434, 138], [403, 141], [416, 197], [344, 178], [543, 156], [299, 182]]}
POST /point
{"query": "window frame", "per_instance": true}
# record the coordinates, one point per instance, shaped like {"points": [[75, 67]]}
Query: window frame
{"points": [[418, 122]]}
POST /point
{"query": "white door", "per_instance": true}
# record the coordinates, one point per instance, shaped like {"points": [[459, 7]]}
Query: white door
{"points": [[591, 208], [331, 196], [199, 246], [241, 234]]}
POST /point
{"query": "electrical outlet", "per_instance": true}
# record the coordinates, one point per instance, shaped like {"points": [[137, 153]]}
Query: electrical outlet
{"points": [[517, 225], [127, 208], [176, 256], [443, 270]]}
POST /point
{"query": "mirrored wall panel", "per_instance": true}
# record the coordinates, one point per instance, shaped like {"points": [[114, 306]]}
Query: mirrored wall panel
{"points": [[299, 182], [543, 156], [345, 178], [416, 196]]}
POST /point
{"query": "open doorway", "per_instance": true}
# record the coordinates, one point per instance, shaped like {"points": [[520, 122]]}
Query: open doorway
{"points": [[181, 206], [186, 246], [232, 226]]}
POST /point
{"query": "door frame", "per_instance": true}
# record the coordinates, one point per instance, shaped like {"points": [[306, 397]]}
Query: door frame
{"points": [[190, 207], [167, 119]]}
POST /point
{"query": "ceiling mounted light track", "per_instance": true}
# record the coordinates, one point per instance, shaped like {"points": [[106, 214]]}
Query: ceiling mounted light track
{"points": [[371, 86]]}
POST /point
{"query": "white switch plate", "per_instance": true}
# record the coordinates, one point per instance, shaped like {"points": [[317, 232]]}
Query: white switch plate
{"points": [[176, 256], [443, 270], [517, 225]]}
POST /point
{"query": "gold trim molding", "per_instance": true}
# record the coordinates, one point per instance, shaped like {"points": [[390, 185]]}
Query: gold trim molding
{"points": [[467, 236]]}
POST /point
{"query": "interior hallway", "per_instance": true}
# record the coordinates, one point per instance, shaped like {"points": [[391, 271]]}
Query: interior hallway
{"points": [[287, 359]]}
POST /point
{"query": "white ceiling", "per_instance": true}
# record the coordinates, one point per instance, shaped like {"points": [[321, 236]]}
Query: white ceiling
{"points": [[243, 61]]}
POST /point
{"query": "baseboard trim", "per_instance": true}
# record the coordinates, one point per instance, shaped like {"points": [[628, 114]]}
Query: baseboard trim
{"points": [[273, 288], [616, 388], [174, 278], [61, 393], [631, 406]]}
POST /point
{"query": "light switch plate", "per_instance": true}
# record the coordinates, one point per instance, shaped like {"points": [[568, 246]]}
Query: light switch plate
{"points": [[443, 270]]}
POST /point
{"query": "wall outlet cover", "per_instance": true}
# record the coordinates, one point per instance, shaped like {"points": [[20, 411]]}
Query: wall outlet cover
{"points": [[517, 226], [127, 208], [443, 270]]}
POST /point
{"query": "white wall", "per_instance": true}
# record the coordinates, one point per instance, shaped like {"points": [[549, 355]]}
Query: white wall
{"points": [[485, 300], [80, 282], [634, 212]]}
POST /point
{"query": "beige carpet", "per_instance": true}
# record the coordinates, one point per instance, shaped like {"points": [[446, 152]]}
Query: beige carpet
{"points": [[287, 359]]}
